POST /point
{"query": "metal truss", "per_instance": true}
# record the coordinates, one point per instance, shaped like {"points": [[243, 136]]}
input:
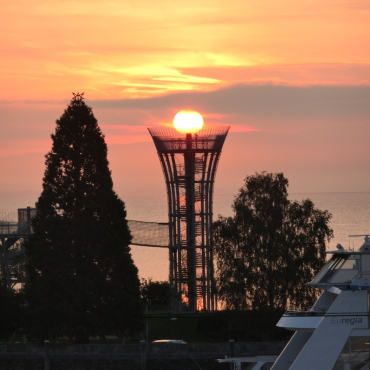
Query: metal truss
{"points": [[189, 163]]}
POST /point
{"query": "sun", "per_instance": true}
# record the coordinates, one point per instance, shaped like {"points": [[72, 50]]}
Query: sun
{"points": [[188, 121]]}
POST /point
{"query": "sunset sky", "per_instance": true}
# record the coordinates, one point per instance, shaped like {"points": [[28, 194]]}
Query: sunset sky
{"points": [[292, 79]]}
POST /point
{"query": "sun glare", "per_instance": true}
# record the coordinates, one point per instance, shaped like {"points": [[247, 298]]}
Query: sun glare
{"points": [[188, 122]]}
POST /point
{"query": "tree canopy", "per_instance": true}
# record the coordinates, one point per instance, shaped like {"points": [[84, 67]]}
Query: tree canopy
{"points": [[156, 293], [10, 311], [270, 248], [81, 278]]}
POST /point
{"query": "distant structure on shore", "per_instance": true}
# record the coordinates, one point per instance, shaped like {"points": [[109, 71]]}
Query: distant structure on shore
{"points": [[189, 158], [12, 252]]}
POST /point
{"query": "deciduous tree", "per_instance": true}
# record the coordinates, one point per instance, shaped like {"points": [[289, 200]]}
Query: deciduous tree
{"points": [[156, 293], [81, 278], [270, 248]]}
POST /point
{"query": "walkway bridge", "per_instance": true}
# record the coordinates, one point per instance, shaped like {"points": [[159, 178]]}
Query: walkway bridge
{"points": [[12, 233]]}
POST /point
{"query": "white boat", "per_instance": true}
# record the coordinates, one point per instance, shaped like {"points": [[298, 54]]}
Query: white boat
{"points": [[335, 333]]}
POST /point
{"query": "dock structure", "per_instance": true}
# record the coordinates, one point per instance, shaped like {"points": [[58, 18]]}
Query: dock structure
{"points": [[189, 162]]}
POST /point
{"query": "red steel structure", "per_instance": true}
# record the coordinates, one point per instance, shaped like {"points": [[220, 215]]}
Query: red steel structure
{"points": [[189, 162]]}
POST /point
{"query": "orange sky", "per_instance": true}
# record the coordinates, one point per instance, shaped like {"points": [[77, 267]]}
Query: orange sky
{"points": [[116, 49], [291, 78]]}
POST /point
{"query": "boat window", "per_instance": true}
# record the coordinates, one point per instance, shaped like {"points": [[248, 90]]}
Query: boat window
{"points": [[348, 270], [329, 269], [354, 354], [365, 267], [340, 268]]}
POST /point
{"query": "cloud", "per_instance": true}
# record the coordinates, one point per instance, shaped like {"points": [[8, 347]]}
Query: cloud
{"points": [[316, 135], [260, 101], [304, 74], [26, 126]]}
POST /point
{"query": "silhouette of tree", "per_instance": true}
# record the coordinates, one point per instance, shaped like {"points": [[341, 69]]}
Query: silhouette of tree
{"points": [[81, 278], [10, 311], [156, 293], [271, 247]]}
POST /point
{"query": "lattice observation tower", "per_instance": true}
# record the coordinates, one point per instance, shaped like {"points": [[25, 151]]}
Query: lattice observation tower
{"points": [[189, 162]]}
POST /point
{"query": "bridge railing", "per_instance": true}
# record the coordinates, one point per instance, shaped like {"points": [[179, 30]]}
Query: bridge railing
{"points": [[150, 234]]}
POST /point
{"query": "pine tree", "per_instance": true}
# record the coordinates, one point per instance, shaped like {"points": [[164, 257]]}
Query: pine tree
{"points": [[81, 278]]}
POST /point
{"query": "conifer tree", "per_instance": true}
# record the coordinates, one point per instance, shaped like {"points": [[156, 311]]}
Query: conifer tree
{"points": [[81, 278]]}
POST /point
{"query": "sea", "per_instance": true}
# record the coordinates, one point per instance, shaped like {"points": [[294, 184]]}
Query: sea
{"points": [[350, 216]]}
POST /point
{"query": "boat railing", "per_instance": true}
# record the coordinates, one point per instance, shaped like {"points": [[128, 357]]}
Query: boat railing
{"points": [[302, 313]]}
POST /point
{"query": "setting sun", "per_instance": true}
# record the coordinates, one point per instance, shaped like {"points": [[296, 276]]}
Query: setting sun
{"points": [[188, 122]]}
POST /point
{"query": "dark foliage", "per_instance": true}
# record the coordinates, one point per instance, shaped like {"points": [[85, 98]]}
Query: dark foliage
{"points": [[242, 326], [10, 311], [271, 248], [81, 277], [156, 293]]}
